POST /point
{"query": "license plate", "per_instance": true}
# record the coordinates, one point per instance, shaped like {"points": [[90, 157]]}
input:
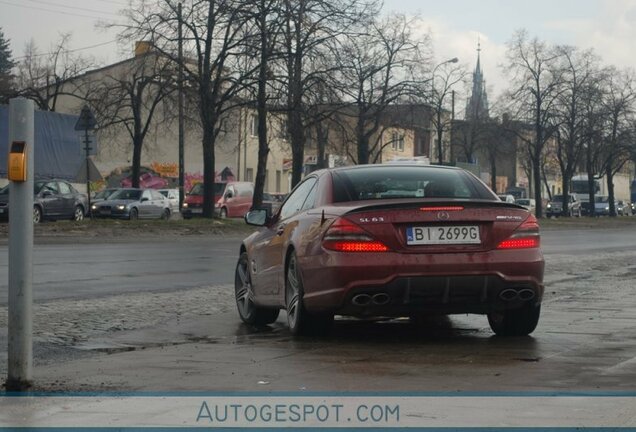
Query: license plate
{"points": [[1, 210], [462, 234]]}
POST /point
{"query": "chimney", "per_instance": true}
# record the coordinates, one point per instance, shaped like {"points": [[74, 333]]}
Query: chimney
{"points": [[142, 47]]}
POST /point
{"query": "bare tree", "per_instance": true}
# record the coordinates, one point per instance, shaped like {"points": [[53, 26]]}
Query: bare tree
{"points": [[215, 37], [130, 96], [618, 107], [444, 77], [42, 77], [267, 26], [377, 68], [580, 77], [497, 140], [594, 115], [535, 81], [310, 28]]}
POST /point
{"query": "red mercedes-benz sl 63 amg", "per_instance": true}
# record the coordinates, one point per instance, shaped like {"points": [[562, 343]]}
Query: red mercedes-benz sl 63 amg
{"points": [[391, 241]]}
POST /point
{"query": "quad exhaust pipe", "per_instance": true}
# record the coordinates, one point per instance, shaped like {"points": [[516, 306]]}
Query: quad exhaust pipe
{"points": [[379, 299], [510, 294]]}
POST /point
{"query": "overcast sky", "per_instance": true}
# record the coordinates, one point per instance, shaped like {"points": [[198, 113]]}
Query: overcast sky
{"points": [[608, 26]]}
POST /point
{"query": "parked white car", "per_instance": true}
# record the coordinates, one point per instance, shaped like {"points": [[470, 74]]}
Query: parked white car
{"points": [[173, 196], [528, 203], [507, 198]]}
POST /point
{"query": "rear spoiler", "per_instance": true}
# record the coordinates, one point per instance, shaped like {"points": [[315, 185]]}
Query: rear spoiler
{"points": [[433, 203]]}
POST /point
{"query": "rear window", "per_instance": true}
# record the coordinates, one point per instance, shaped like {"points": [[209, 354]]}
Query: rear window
{"points": [[388, 182]]}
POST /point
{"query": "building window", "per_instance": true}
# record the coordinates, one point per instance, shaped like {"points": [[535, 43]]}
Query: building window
{"points": [[283, 130], [397, 141], [278, 177], [254, 125], [249, 175]]}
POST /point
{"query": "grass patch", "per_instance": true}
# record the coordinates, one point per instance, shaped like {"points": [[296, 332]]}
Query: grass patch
{"points": [[618, 222], [114, 228]]}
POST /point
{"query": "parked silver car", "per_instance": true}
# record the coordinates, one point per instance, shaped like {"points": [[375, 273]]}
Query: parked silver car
{"points": [[555, 206], [132, 203]]}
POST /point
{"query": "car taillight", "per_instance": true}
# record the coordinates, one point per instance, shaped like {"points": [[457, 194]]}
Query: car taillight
{"points": [[525, 236], [345, 236]]}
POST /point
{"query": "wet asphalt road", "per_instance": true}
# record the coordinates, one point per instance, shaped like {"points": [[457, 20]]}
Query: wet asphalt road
{"points": [[187, 332], [87, 270]]}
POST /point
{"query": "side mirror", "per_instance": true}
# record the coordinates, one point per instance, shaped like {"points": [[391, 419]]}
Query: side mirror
{"points": [[228, 195], [47, 193], [256, 217], [144, 199]]}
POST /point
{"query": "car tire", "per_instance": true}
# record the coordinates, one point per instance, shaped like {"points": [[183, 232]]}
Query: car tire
{"points": [[249, 312], [165, 215], [134, 214], [515, 322], [223, 213], [78, 214], [300, 321], [37, 215]]}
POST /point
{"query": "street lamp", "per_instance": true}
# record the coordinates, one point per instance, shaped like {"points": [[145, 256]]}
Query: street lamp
{"points": [[438, 114]]}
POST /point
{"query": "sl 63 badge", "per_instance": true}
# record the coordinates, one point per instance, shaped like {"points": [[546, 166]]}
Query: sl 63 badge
{"points": [[372, 219]]}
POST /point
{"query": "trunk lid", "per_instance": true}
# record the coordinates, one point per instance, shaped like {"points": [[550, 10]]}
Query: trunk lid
{"points": [[453, 221]]}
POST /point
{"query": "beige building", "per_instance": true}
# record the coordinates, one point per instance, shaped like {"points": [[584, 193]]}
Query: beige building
{"points": [[236, 147], [405, 132]]}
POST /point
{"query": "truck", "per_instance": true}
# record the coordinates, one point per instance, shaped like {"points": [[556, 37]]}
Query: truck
{"points": [[580, 186]]}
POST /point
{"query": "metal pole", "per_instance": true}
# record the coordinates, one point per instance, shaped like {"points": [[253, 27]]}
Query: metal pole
{"points": [[238, 170], [181, 120], [450, 132], [20, 328], [88, 177], [244, 127]]}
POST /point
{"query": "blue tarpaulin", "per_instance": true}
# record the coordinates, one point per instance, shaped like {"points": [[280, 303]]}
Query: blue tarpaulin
{"points": [[57, 145]]}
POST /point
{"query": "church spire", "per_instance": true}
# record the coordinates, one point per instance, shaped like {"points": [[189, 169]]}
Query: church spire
{"points": [[477, 106], [478, 67]]}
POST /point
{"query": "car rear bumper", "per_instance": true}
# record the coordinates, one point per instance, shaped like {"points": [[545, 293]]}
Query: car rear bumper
{"points": [[409, 283]]}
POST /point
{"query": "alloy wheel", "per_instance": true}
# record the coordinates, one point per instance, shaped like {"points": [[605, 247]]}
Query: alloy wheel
{"points": [[37, 215], [78, 215], [292, 292], [243, 289]]}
